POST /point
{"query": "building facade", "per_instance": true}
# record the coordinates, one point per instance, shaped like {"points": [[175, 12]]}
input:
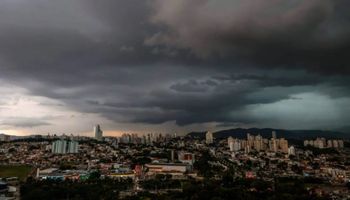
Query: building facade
{"points": [[209, 139], [98, 133]]}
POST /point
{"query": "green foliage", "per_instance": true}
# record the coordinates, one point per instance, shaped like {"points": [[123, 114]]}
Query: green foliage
{"points": [[161, 182], [203, 166], [141, 160], [95, 175], [237, 189], [66, 166], [20, 171], [348, 185], [282, 165], [59, 190], [227, 188], [318, 151]]}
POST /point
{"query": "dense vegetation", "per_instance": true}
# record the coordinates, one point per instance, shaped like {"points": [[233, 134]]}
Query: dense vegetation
{"points": [[20, 171], [318, 151], [286, 189], [226, 188], [218, 184], [91, 189], [161, 182]]}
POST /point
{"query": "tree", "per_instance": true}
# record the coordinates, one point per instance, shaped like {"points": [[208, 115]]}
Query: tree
{"points": [[94, 175]]}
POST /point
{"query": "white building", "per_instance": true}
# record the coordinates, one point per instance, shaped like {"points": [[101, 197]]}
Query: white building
{"points": [[291, 151], [209, 139], [59, 146], [323, 143], [320, 143], [98, 133], [237, 145], [63, 147], [4, 137], [341, 144], [73, 147], [274, 135], [168, 167], [230, 142]]}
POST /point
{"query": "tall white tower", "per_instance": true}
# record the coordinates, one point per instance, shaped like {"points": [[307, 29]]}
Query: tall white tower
{"points": [[230, 142], [274, 135], [209, 139], [98, 132]]}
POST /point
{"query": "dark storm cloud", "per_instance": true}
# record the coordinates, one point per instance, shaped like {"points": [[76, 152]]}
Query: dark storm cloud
{"points": [[282, 79], [23, 122], [189, 61], [292, 34], [196, 101], [192, 86]]}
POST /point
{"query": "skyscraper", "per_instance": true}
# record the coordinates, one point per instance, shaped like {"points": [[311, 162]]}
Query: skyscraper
{"points": [[274, 134], [273, 142], [283, 145], [291, 151], [209, 139], [59, 146], [64, 146], [73, 146], [237, 145], [230, 142], [98, 133]]}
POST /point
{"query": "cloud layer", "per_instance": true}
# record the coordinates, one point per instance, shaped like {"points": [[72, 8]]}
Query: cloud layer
{"points": [[173, 64], [312, 35]]}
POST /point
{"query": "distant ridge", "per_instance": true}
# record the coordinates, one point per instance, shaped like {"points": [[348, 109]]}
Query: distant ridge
{"points": [[3, 135], [266, 132], [11, 137]]}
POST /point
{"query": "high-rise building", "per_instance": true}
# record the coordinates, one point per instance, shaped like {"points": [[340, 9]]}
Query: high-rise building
{"points": [[283, 144], [237, 145], [323, 143], [291, 151], [273, 145], [234, 144], [341, 144], [247, 149], [335, 144], [4, 137], [258, 143], [98, 133], [59, 147], [63, 147], [250, 141], [209, 139], [274, 135], [306, 143], [230, 142], [73, 146], [329, 144], [320, 143]]}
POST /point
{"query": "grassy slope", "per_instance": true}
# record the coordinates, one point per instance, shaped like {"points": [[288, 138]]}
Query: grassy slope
{"points": [[20, 171]]}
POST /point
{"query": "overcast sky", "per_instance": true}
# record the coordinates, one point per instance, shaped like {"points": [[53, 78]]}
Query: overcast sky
{"points": [[173, 65]]}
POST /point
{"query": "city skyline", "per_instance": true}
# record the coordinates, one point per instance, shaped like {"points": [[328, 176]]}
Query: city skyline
{"points": [[260, 166], [174, 99], [142, 67]]}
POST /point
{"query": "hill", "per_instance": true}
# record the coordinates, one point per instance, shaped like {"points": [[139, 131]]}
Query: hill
{"points": [[266, 132]]}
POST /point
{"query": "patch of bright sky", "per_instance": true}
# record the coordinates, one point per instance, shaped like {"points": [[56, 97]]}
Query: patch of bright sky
{"points": [[25, 114], [313, 110]]}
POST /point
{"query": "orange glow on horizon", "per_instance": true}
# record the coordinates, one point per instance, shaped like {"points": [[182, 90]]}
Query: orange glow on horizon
{"points": [[115, 133], [14, 132]]}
